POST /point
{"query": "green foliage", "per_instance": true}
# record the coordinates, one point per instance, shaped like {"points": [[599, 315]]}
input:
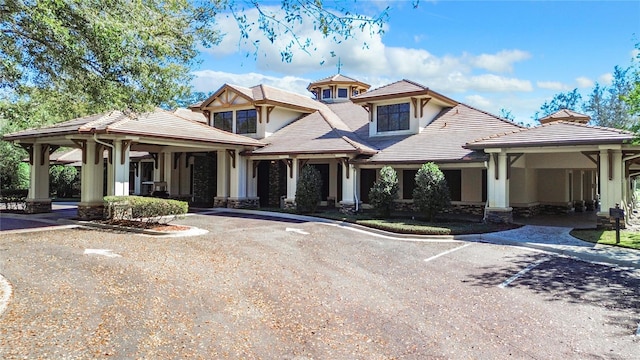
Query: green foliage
{"points": [[308, 190], [125, 54], [63, 180], [570, 100], [144, 209], [431, 194], [12, 199], [384, 191], [607, 105]]}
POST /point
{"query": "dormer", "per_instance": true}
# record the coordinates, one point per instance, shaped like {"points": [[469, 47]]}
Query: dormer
{"points": [[337, 88], [401, 108], [255, 112]]}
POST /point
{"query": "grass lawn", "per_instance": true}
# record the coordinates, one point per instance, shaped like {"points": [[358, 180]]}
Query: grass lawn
{"points": [[628, 239], [408, 225]]}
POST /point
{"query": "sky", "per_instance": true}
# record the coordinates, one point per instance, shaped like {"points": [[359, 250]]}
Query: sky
{"points": [[492, 55]]}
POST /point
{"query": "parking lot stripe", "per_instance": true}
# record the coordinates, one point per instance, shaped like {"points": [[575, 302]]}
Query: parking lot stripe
{"points": [[447, 252], [638, 330], [521, 272]]}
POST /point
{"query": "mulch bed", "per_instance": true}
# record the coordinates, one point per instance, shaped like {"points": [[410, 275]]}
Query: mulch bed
{"points": [[144, 225]]}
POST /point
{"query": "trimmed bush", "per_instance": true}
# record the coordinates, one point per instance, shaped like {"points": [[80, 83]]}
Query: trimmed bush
{"points": [[144, 209], [63, 180], [384, 191], [13, 199], [308, 190], [431, 194]]}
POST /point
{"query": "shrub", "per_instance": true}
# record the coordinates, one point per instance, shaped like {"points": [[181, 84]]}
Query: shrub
{"points": [[308, 190], [384, 191], [144, 209], [431, 194], [63, 180]]}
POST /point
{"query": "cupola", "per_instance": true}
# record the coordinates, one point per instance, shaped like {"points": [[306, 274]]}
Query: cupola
{"points": [[337, 88], [566, 115]]}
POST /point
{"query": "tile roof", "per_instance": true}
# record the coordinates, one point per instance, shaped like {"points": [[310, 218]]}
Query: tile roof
{"points": [[337, 79], [320, 132], [189, 114], [558, 133], [566, 114], [156, 124], [398, 89], [442, 140]]}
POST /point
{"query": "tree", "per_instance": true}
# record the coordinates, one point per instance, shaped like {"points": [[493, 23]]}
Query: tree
{"points": [[571, 100], [507, 114], [606, 105], [63, 180], [308, 189], [431, 194], [632, 98], [384, 191]]}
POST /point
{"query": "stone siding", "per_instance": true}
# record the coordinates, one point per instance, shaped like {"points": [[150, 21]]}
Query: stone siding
{"points": [[91, 212], [220, 201], [37, 207], [498, 216], [245, 203]]}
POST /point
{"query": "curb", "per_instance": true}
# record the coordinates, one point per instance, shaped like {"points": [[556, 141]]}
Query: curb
{"points": [[192, 231], [6, 290]]}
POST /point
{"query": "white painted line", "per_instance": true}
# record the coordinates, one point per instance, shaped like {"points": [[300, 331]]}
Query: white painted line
{"points": [[521, 272], [637, 330], [5, 290], [103, 252], [299, 231], [447, 252]]}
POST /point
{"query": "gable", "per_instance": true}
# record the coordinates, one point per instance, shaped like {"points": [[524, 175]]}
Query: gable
{"points": [[228, 96]]}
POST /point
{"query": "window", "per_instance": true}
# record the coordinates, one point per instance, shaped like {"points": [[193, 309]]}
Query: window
{"points": [[342, 93], [246, 121], [393, 117], [223, 121], [326, 94], [354, 92], [408, 183], [454, 181]]}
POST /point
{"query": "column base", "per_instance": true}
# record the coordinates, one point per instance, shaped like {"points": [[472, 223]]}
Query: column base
{"points": [[91, 211], [498, 215], [347, 207], [219, 202], [37, 206], [605, 222], [288, 204], [243, 203]]}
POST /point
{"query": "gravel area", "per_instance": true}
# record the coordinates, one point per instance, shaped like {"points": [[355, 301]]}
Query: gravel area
{"points": [[263, 289]]}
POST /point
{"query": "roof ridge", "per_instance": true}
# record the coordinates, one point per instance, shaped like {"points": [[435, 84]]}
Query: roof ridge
{"points": [[355, 144], [492, 115], [101, 118], [621, 131]]}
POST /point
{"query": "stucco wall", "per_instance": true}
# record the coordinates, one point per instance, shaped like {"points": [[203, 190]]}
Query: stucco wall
{"points": [[472, 185], [558, 161], [523, 186], [278, 119], [552, 185]]}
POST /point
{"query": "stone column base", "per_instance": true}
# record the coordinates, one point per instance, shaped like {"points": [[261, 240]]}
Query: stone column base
{"points": [[220, 201], [91, 211], [288, 204], [37, 206], [498, 215], [605, 222], [347, 208], [243, 203]]}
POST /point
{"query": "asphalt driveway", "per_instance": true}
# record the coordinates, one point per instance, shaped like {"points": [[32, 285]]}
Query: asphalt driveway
{"points": [[262, 288]]}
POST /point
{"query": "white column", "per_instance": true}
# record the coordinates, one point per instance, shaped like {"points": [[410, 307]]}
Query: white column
{"points": [[348, 184], [167, 166], [238, 178], [120, 169], [110, 174], [498, 188], [39, 174], [292, 179], [223, 174], [92, 175], [611, 189], [252, 181], [137, 186]]}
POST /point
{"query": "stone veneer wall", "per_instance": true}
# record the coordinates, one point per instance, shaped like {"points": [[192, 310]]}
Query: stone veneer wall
{"points": [[288, 204], [91, 212], [37, 207], [498, 216], [220, 201], [471, 209], [245, 203]]}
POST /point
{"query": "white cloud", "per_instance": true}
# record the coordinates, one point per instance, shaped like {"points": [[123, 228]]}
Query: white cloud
{"points": [[365, 54], [584, 82], [478, 101], [606, 79], [552, 85], [209, 80], [501, 61]]}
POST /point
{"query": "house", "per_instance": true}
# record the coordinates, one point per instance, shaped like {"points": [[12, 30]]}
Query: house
{"points": [[245, 147]]}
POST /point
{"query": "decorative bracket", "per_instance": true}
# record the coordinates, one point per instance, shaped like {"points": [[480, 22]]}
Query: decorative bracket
{"points": [[232, 156], [255, 167], [154, 156], [289, 163], [302, 163], [82, 144], [188, 155], [495, 163], [29, 149], [345, 163], [126, 144], [98, 156], [511, 161], [44, 151]]}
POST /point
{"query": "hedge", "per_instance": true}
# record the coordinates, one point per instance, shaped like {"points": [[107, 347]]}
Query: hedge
{"points": [[144, 209], [13, 199]]}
